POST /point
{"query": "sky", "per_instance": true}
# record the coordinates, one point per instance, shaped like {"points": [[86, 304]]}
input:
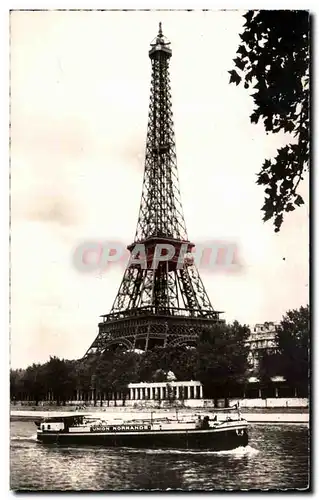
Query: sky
{"points": [[80, 85]]}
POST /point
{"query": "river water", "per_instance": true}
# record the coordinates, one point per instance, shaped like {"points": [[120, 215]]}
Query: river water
{"points": [[276, 457]]}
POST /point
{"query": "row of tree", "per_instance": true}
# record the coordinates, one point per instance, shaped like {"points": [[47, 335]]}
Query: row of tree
{"points": [[220, 362]]}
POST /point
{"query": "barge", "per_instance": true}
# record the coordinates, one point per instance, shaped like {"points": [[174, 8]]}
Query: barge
{"points": [[210, 432]]}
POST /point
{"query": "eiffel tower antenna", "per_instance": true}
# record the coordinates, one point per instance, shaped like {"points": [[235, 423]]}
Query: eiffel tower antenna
{"points": [[166, 305]]}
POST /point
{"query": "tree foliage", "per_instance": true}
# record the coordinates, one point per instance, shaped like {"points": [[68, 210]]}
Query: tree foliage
{"points": [[290, 357], [222, 359], [293, 344], [56, 377], [181, 360], [59, 378], [219, 361], [273, 60], [269, 366]]}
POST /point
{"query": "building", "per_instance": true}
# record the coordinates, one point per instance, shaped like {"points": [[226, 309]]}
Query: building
{"points": [[188, 392], [262, 338]]}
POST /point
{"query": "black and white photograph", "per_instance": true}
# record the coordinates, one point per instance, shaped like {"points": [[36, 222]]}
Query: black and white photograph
{"points": [[159, 250]]}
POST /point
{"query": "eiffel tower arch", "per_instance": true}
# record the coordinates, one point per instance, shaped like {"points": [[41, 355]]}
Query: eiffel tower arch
{"points": [[165, 304]]}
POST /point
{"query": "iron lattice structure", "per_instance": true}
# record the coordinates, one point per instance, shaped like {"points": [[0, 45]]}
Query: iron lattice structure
{"points": [[169, 304]]}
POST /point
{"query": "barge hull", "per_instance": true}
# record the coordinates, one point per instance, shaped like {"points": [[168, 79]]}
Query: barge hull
{"points": [[215, 441]]}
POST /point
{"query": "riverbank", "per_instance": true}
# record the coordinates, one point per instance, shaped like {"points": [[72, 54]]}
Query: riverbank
{"points": [[120, 408], [276, 416]]}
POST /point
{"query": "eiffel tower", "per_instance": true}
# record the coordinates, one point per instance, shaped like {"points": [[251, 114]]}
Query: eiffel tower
{"points": [[167, 304]]}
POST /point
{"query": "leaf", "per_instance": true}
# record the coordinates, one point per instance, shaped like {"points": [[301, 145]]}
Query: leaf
{"points": [[250, 75], [263, 178], [234, 77], [290, 207], [249, 15], [298, 200], [267, 216], [289, 126], [278, 221], [268, 123], [267, 164], [254, 117], [242, 50], [240, 63], [246, 36]]}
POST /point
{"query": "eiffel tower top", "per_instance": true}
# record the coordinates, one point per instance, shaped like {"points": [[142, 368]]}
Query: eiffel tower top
{"points": [[161, 212], [160, 45]]}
